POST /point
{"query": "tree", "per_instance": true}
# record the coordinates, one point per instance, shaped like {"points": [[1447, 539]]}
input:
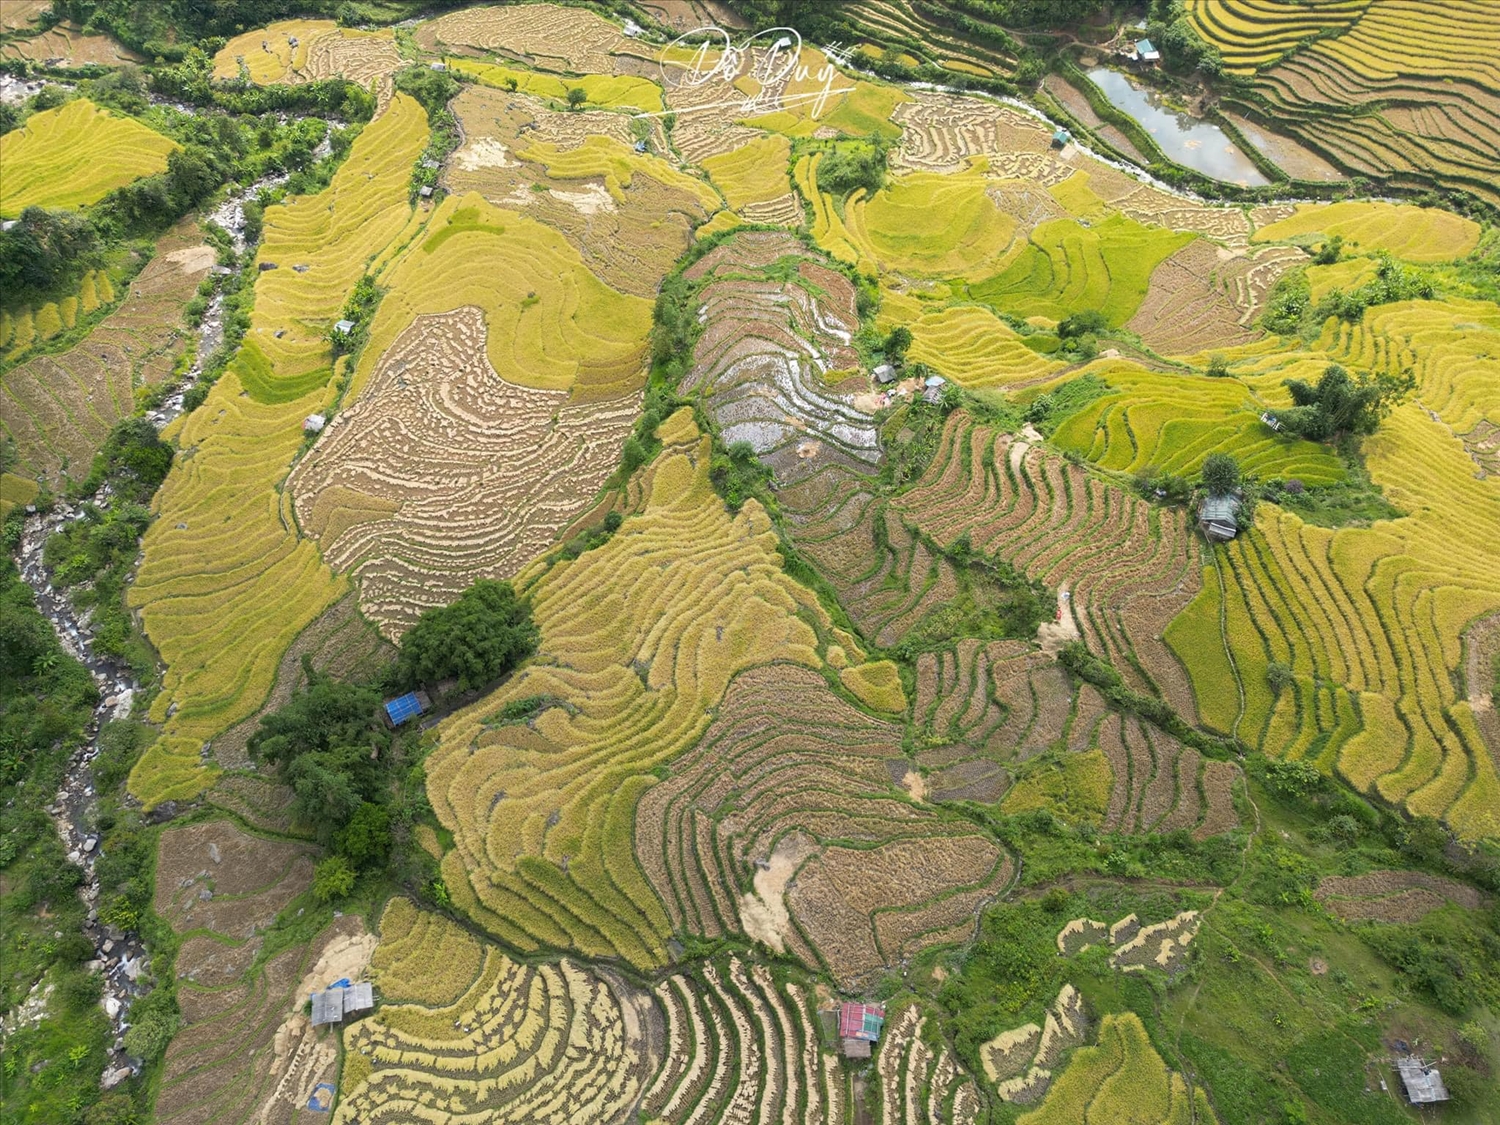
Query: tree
{"points": [[476, 640], [1087, 323], [1279, 676], [897, 343], [1221, 474], [1217, 368], [366, 840], [320, 744], [577, 95], [1341, 404], [1329, 252]]}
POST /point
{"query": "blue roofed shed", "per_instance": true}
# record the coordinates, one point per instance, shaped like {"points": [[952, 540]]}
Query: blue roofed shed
{"points": [[405, 707]]}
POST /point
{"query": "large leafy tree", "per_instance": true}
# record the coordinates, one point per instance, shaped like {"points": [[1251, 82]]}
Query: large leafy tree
{"points": [[326, 744], [475, 641]]}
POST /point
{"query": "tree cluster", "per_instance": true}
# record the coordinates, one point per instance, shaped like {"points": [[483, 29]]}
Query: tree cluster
{"points": [[1343, 404], [474, 641]]}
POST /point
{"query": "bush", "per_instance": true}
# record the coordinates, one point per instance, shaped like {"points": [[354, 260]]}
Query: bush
{"points": [[366, 840], [851, 167], [153, 1022], [333, 878], [1330, 251], [476, 640], [1088, 323], [1278, 676]]}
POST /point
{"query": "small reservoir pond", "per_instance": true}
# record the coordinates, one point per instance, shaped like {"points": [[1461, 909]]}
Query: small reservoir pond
{"points": [[1190, 141]]}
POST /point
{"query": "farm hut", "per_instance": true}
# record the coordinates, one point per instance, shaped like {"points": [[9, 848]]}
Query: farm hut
{"points": [[327, 1006], [861, 1021], [1218, 518], [934, 381], [359, 997], [933, 396], [344, 326], [425, 191], [313, 424], [1146, 51], [856, 1048], [404, 707], [439, 66], [1424, 1085], [1062, 137], [885, 373], [1271, 420]]}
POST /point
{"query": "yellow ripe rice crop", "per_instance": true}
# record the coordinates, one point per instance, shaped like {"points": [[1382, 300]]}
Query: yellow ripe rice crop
{"points": [[877, 685], [74, 155], [551, 1044], [1120, 1079], [753, 173], [617, 164], [333, 235], [972, 346], [922, 223], [640, 638], [15, 491], [225, 584], [1173, 421], [422, 957], [609, 91], [1252, 33], [855, 107], [1418, 234], [552, 325]]}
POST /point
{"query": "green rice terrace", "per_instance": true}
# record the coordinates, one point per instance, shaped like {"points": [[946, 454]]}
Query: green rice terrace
{"points": [[750, 562]]}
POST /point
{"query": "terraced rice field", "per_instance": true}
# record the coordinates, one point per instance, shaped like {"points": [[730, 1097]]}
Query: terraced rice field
{"points": [[1129, 568], [603, 90], [1369, 618], [787, 773], [246, 1050], [742, 1045], [1418, 234], [549, 1043], [1020, 1062], [1404, 91], [640, 639], [1122, 1078], [75, 155], [544, 36], [295, 51], [65, 45], [920, 1082], [774, 364], [1067, 267], [443, 471], [23, 327], [225, 585], [924, 224], [628, 215], [59, 408], [973, 347], [1172, 421], [1393, 896]]}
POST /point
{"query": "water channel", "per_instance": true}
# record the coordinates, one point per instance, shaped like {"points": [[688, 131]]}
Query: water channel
{"points": [[1190, 141]]}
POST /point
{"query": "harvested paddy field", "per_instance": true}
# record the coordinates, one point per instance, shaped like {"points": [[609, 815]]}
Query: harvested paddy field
{"points": [[628, 215], [74, 155], [787, 771], [1130, 569], [65, 45], [443, 472], [60, 407], [774, 365], [246, 1050], [295, 51]]}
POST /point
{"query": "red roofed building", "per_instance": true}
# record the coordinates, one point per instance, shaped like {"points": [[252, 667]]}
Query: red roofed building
{"points": [[859, 1026]]}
